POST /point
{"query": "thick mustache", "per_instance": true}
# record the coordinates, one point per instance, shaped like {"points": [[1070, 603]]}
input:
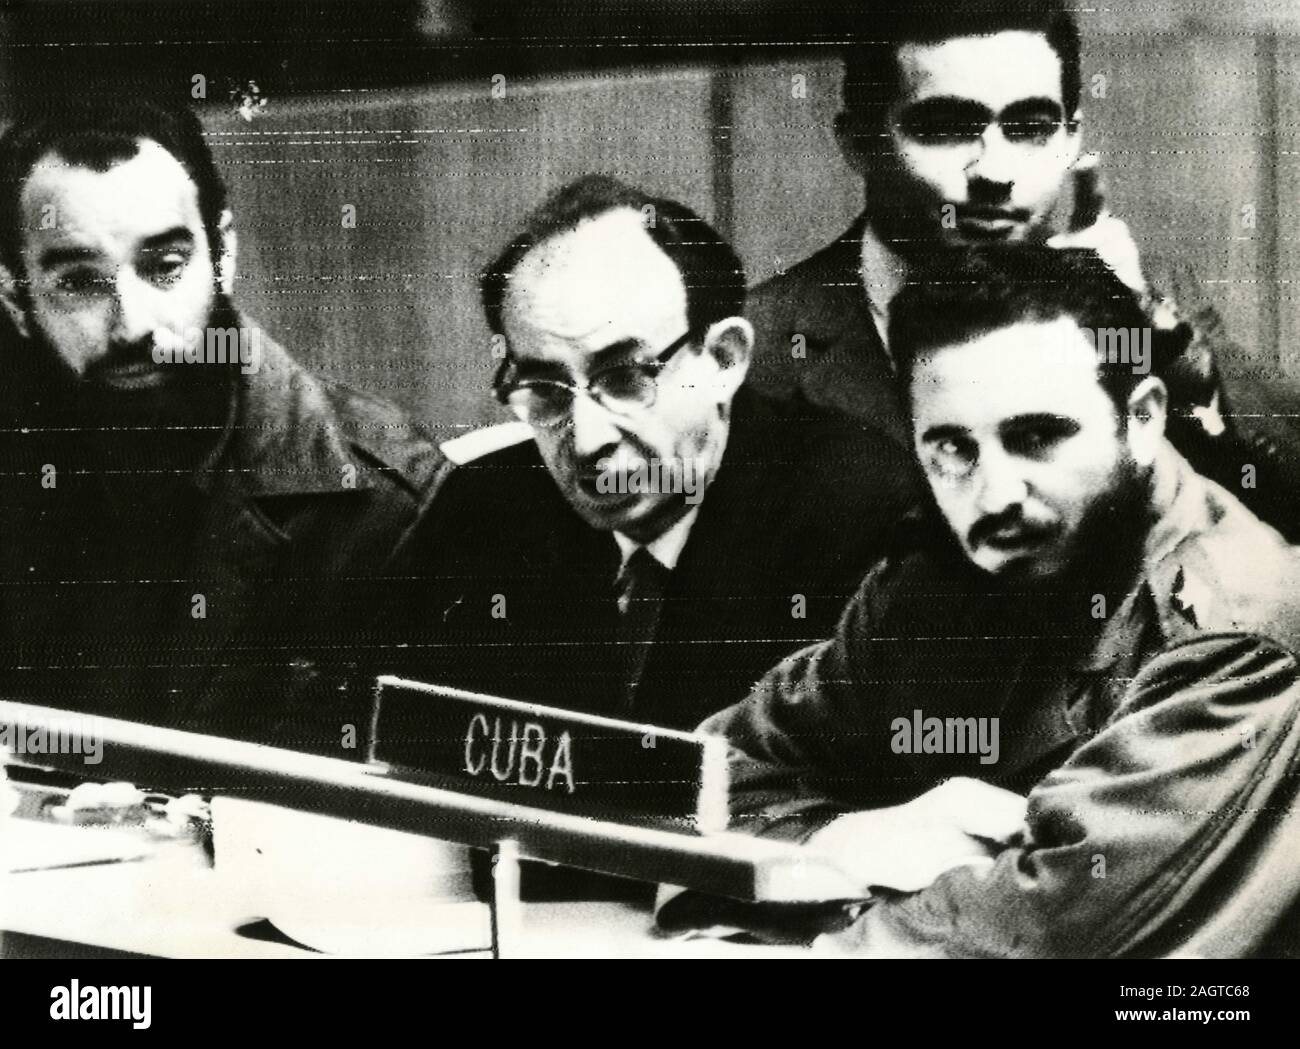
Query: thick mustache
{"points": [[594, 465], [988, 527], [120, 354]]}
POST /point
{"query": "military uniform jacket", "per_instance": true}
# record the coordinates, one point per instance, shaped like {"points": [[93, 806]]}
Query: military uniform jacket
{"points": [[242, 606], [1160, 749]]}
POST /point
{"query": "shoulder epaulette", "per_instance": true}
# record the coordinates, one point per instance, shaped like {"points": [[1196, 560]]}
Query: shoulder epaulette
{"points": [[478, 443]]}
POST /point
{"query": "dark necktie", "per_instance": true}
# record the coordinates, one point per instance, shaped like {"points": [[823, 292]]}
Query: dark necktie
{"points": [[640, 588]]}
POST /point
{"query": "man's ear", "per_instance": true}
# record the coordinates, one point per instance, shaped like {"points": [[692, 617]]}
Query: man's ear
{"points": [[227, 245], [1148, 407], [848, 135], [13, 298], [730, 342]]}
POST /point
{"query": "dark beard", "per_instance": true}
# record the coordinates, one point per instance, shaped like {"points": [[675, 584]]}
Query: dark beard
{"points": [[171, 427], [1106, 560], [46, 394]]}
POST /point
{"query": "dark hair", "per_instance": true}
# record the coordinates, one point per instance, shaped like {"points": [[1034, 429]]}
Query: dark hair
{"points": [[97, 134], [710, 269], [871, 73], [979, 290]]}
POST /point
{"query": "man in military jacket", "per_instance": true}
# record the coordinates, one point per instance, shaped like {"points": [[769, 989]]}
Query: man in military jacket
{"points": [[194, 528], [1088, 621]]}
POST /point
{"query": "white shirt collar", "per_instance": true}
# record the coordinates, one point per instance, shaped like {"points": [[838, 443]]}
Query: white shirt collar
{"points": [[883, 274], [667, 549]]}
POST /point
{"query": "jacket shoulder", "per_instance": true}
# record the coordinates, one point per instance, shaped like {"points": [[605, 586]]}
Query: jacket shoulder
{"points": [[501, 505], [513, 454], [1237, 576], [386, 438], [494, 485], [788, 285], [833, 448], [798, 289]]}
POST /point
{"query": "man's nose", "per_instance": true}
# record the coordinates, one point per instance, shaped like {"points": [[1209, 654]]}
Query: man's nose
{"points": [[1001, 484], [132, 316], [993, 167], [594, 428]]}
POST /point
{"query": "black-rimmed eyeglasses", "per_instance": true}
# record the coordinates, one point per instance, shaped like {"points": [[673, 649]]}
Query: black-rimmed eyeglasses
{"points": [[620, 388], [953, 121]]}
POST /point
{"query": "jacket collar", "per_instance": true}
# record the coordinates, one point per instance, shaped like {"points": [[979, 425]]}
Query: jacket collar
{"points": [[1187, 512], [281, 437], [666, 548]]}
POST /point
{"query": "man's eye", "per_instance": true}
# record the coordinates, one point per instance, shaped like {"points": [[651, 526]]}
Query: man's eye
{"points": [[954, 449], [953, 458], [1030, 129], [165, 268], [624, 383], [81, 281], [544, 394], [945, 131], [944, 123], [1031, 122], [1035, 441]]}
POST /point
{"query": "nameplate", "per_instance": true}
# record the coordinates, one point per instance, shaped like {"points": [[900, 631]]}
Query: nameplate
{"points": [[550, 758]]}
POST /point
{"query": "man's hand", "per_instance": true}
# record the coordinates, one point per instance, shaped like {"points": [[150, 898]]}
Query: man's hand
{"points": [[98, 804], [1092, 226], [961, 822]]}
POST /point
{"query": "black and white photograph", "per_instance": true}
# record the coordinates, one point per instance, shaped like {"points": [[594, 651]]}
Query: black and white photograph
{"points": [[658, 479]]}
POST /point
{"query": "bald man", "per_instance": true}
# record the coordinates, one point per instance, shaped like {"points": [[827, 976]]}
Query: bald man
{"points": [[656, 536]]}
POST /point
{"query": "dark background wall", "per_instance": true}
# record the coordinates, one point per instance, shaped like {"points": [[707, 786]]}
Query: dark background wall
{"points": [[441, 124]]}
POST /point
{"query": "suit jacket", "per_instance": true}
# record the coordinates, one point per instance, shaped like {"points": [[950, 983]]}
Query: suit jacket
{"points": [[514, 594], [1163, 738], [845, 365], [243, 605], [842, 362]]}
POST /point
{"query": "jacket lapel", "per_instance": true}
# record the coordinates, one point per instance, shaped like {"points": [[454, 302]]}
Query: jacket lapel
{"points": [[284, 443], [237, 553], [848, 366], [726, 568]]}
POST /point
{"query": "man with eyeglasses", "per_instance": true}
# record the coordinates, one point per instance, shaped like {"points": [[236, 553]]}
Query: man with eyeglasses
{"points": [[964, 122], [665, 535], [1082, 605]]}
